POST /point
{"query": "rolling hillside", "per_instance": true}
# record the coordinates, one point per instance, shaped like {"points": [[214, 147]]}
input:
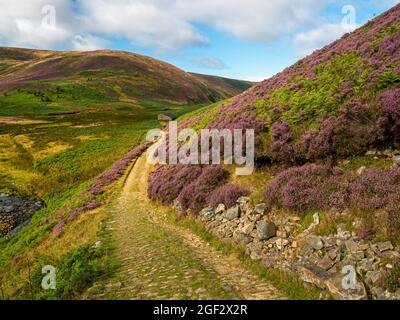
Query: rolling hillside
{"points": [[60, 111], [339, 101], [109, 74]]}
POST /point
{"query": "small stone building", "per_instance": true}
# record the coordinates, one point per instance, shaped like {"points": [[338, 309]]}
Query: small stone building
{"points": [[167, 116]]}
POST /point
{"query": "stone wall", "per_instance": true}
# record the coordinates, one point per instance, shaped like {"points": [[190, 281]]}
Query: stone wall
{"points": [[342, 265]]}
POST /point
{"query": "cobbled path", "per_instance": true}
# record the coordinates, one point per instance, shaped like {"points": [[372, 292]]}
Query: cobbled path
{"points": [[162, 261]]}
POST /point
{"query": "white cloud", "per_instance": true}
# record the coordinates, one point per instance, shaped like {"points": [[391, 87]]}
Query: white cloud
{"points": [[210, 63], [147, 23], [250, 20], [162, 24], [308, 42], [22, 23], [88, 43]]}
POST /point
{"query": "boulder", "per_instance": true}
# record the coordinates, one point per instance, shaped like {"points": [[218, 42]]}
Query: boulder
{"points": [[243, 200], [313, 274], [351, 246], [220, 209], [371, 153], [295, 219], [97, 245], [266, 230], [260, 209], [244, 204], [384, 246], [233, 213], [281, 234], [332, 282], [315, 242], [366, 264], [374, 277], [391, 255], [326, 263], [242, 238], [248, 228], [336, 289], [207, 214]]}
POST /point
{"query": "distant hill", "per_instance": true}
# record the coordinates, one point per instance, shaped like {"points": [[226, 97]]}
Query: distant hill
{"points": [[112, 74], [228, 86], [339, 101]]}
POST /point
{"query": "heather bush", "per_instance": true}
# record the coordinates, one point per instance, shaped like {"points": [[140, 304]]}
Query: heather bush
{"points": [[190, 184], [376, 189], [351, 132], [308, 187], [321, 143], [194, 196], [116, 171], [167, 182], [227, 194], [322, 188], [281, 148], [388, 124]]}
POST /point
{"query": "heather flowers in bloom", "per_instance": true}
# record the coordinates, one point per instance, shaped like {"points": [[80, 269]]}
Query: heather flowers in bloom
{"points": [[227, 194], [191, 185], [314, 187], [186, 147]]}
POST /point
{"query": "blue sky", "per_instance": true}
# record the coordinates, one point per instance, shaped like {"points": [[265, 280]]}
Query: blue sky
{"points": [[252, 39]]}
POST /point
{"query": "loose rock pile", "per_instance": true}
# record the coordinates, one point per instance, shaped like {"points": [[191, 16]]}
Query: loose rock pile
{"points": [[279, 241], [17, 212]]}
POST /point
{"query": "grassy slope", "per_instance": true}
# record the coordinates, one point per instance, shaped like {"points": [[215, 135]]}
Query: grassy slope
{"points": [[118, 96], [226, 85], [357, 67], [111, 74]]}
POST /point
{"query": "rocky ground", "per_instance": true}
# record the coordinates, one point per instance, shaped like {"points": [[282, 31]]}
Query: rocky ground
{"points": [[162, 261], [16, 212], [280, 241]]}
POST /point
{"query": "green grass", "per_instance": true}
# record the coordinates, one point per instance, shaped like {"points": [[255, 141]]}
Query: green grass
{"points": [[22, 103], [356, 162], [319, 97], [4, 67], [58, 160], [204, 115]]}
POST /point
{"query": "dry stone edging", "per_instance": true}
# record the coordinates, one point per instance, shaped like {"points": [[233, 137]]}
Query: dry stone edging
{"points": [[277, 242]]}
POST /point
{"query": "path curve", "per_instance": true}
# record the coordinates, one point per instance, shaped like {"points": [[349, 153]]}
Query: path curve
{"points": [[162, 261]]}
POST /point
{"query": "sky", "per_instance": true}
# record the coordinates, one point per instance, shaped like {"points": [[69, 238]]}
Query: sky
{"points": [[241, 39]]}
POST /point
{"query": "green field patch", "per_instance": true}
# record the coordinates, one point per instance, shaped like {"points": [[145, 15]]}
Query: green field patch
{"points": [[4, 67], [125, 108], [320, 97], [132, 91], [55, 125], [357, 162]]}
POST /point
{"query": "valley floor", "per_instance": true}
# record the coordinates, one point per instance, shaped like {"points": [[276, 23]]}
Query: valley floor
{"points": [[160, 260]]}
